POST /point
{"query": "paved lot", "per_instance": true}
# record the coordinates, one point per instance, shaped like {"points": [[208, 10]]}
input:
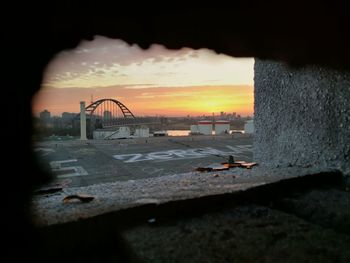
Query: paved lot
{"points": [[77, 163]]}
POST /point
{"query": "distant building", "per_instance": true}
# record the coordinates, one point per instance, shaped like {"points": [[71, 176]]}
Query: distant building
{"points": [[203, 127], [45, 118], [249, 127], [142, 132], [119, 133], [57, 122], [68, 116], [222, 127], [45, 115], [194, 129]]}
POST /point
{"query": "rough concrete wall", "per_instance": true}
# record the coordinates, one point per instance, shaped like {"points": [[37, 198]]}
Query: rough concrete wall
{"points": [[302, 116]]}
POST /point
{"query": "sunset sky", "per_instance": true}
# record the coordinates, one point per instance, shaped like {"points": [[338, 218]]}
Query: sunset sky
{"points": [[149, 82]]}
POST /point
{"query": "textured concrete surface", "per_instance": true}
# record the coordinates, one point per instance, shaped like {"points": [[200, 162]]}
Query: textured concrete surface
{"points": [[302, 116], [110, 197], [247, 233], [328, 208]]}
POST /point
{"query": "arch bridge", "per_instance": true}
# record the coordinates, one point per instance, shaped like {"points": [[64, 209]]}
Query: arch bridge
{"points": [[109, 114]]}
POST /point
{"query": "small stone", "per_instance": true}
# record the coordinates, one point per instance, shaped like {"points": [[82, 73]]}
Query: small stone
{"points": [[151, 220]]}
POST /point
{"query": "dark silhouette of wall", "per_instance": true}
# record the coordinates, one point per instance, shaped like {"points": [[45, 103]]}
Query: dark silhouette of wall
{"points": [[32, 35]]}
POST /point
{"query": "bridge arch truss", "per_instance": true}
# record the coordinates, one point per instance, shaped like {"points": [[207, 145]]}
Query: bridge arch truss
{"points": [[107, 113]]}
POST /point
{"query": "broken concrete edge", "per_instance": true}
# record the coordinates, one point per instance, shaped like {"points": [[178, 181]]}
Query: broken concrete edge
{"points": [[51, 210], [171, 211]]}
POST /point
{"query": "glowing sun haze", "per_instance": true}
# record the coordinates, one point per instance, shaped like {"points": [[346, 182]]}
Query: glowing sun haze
{"points": [[153, 81]]}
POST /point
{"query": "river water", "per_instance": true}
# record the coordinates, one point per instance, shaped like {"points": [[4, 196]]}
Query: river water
{"points": [[187, 132]]}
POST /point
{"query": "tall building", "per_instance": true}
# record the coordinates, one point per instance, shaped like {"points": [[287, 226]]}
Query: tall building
{"points": [[67, 116], [45, 115], [45, 118]]}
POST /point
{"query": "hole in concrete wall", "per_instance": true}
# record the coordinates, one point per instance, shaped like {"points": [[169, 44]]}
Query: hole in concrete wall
{"points": [[150, 114]]}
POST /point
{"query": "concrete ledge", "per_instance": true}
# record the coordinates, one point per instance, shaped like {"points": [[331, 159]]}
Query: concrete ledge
{"points": [[113, 197]]}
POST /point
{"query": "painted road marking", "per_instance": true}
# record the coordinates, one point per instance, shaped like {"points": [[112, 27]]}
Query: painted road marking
{"points": [[67, 171], [44, 151], [71, 171], [180, 154]]}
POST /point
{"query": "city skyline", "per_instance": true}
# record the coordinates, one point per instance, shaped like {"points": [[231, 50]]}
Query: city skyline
{"points": [[156, 81], [45, 114], [214, 99]]}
